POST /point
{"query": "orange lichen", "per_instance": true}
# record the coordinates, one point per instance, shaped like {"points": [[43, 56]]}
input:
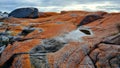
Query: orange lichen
{"points": [[73, 54]]}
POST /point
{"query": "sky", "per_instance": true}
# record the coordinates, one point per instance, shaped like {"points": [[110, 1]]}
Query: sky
{"points": [[60, 5]]}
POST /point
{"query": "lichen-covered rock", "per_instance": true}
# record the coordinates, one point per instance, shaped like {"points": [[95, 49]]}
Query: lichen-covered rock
{"points": [[70, 39], [47, 14]]}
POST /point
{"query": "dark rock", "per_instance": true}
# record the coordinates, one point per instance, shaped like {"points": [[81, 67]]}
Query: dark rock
{"points": [[4, 40], [112, 39], [38, 53], [88, 19], [24, 13], [12, 39], [48, 45], [26, 31], [37, 49], [52, 45]]}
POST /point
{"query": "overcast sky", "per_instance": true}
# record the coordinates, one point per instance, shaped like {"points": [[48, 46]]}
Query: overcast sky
{"points": [[59, 5]]}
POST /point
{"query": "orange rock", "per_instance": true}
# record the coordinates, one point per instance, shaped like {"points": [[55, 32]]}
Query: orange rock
{"points": [[91, 52], [47, 14], [51, 30], [21, 61], [18, 47]]}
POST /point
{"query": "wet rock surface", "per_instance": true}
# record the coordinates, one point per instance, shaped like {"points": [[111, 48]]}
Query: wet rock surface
{"points": [[70, 39]]}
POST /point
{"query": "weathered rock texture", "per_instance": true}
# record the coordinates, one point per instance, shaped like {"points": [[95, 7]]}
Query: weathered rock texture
{"points": [[70, 39], [24, 13], [3, 15]]}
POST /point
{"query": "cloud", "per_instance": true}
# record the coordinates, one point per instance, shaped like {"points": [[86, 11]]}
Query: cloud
{"points": [[95, 6], [59, 5]]}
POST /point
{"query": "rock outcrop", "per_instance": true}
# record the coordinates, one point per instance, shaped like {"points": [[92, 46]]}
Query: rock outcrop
{"points": [[47, 14], [24, 13], [3, 15], [70, 39]]}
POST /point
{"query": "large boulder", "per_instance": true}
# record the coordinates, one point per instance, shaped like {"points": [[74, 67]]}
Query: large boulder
{"points": [[24, 13]]}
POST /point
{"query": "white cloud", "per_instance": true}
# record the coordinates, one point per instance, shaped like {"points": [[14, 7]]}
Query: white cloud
{"points": [[75, 6], [95, 6], [59, 5]]}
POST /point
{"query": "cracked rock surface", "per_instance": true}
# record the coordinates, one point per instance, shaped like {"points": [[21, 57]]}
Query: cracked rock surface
{"points": [[70, 39]]}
